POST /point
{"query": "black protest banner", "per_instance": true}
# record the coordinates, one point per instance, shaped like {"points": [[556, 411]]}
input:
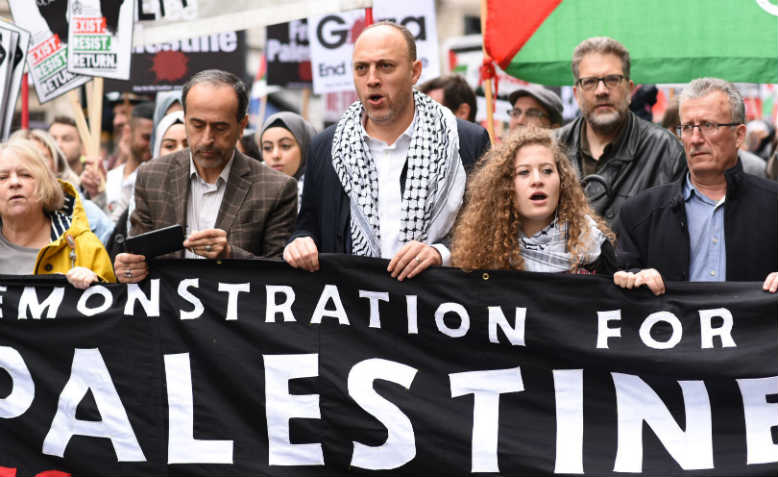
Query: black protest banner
{"points": [[288, 54], [167, 66], [254, 368]]}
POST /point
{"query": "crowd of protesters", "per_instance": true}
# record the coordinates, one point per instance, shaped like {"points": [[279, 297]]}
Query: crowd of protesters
{"points": [[407, 175]]}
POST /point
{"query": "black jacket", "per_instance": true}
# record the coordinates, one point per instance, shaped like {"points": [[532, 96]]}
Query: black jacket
{"points": [[325, 212], [644, 156], [654, 233]]}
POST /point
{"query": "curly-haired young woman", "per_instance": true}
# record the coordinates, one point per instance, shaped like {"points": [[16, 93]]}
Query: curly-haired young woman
{"points": [[525, 210]]}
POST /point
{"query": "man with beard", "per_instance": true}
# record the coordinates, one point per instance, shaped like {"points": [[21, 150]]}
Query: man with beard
{"points": [[389, 178], [120, 181], [231, 205], [616, 153], [65, 132]]}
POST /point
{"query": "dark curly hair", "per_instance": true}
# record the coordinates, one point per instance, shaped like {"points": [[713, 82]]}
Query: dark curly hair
{"points": [[486, 235]]}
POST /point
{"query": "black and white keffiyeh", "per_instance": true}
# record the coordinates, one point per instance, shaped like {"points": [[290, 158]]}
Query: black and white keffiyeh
{"points": [[62, 218], [546, 251], [434, 178]]}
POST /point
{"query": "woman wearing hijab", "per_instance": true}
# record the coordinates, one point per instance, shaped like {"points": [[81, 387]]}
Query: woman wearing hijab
{"points": [[167, 102], [169, 134], [284, 143]]}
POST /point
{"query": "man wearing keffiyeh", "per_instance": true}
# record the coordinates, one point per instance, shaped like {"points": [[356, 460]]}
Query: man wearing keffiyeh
{"points": [[388, 179]]}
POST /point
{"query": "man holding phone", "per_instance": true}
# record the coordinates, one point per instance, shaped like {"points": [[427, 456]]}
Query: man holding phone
{"points": [[231, 206]]}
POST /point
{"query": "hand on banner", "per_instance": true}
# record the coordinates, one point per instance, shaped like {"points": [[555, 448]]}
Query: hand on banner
{"points": [[302, 253], [412, 259], [93, 177], [771, 283], [648, 277], [209, 243], [130, 268], [81, 277]]}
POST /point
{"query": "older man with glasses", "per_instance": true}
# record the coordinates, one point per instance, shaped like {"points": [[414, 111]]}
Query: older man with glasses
{"points": [[716, 223], [616, 153], [534, 105]]}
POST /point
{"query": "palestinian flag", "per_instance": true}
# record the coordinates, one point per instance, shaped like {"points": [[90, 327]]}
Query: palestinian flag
{"points": [[669, 41]]}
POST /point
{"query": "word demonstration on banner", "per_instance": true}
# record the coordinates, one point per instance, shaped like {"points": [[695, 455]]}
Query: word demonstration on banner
{"points": [[251, 367]]}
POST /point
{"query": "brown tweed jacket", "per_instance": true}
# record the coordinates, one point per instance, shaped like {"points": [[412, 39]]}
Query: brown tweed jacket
{"points": [[258, 210]]}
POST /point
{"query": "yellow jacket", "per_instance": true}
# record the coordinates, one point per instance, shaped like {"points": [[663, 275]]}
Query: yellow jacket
{"points": [[70, 221]]}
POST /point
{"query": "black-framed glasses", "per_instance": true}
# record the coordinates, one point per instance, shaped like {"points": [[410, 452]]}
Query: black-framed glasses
{"points": [[610, 81], [530, 113], [705, 127]]}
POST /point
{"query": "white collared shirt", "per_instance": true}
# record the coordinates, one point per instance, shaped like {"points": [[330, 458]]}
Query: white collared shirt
{"points": [[119, 191], [204, 202], [389, 162]]}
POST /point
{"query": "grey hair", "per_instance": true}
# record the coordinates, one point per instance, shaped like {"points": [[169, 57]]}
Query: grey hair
{"points": [[224, 78], [705, 86], [604, 46]]}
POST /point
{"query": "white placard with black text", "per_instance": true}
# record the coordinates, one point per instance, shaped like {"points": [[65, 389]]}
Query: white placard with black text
{"points": [[332, 40]]}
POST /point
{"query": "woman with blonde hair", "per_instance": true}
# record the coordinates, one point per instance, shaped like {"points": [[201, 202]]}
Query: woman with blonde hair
{"points": [[99, 223], [525, 210], [43, 226]]}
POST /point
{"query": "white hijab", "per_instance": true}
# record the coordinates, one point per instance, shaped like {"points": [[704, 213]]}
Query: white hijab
{"points": [[164, 124]]}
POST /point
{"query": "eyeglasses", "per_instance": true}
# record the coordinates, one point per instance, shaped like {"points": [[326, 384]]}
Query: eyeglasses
{"points": [[705, 127], [530, 113], [590, 83]]}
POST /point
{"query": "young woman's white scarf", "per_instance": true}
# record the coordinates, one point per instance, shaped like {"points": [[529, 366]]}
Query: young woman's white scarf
{"points": [[435, 177], [546, 251]]}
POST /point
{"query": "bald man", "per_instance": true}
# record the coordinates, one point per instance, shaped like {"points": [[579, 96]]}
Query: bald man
{"points": [[389, 178]]}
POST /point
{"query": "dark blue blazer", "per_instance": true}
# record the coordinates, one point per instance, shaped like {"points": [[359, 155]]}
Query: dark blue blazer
{"points": [[325, 212]]}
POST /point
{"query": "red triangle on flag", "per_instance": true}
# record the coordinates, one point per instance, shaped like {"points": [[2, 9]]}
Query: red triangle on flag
{"points": [[510, 24]]}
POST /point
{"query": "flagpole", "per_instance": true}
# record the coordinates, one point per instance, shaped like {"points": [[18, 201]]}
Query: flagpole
{"points": [[305, 103], [487, 81]]}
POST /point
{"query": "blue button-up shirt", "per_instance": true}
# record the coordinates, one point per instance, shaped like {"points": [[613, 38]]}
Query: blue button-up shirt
{"points": [[708, 256]]}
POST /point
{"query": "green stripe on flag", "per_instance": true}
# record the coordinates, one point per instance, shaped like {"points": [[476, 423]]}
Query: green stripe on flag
{"points": [[670, 41]]}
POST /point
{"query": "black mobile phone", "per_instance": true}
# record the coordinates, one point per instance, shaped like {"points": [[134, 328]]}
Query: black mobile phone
{"points": [[156, 242]]}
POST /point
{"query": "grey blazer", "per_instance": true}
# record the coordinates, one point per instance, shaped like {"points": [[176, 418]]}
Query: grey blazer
{"points": [[258, 210]]}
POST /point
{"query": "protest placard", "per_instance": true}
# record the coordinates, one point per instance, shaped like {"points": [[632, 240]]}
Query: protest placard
{"points": [[332, 43], [8, 41], [167, 66], [100, 38], [15, 78], [48, 54], [288, 54], [162, 21], [332, 40], [418, 16]]}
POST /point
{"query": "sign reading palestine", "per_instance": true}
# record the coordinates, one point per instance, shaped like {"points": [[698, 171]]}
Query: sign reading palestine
{"points": [[251, 367]]}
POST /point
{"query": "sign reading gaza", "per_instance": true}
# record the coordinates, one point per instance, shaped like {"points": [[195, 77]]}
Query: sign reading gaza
{"points": [[333, 36], [263, 369]]}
